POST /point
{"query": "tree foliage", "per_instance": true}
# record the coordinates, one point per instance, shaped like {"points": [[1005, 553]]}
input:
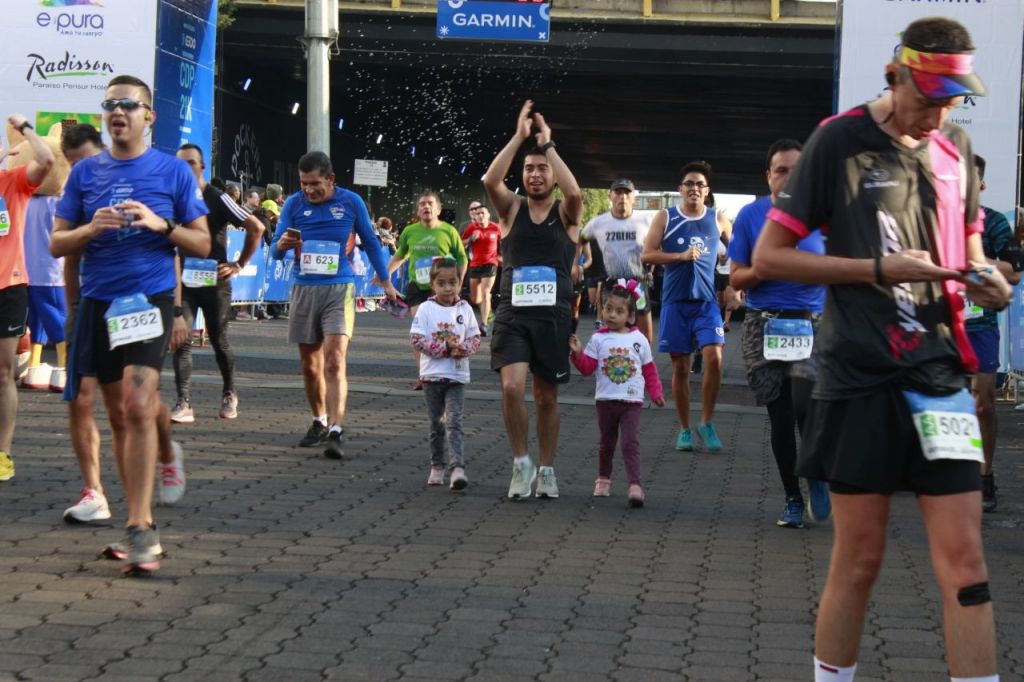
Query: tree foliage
{"points": [[595, 201], [225, 13]]}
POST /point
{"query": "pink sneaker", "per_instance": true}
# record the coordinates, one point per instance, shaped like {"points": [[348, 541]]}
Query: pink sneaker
{"points": [[436, 476], [636, 495], [602, 487]]}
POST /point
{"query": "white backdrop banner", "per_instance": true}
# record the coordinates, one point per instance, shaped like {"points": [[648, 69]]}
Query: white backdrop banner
{"points": [[870, 34], [55, 61]]}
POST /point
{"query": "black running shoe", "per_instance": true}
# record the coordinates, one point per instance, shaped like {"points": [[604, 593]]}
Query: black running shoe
{"points": [[314, 436], [988, 493], [334, 445]]}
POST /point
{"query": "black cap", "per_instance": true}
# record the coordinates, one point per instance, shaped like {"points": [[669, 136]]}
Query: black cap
{"points": [[623, 183]]}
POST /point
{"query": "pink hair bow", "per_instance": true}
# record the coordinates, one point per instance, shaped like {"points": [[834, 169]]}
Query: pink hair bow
{"points": [[630, 286]]}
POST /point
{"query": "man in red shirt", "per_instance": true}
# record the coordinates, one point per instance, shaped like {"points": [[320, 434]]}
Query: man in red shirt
{"points": [[16, 186], [481, 237]]}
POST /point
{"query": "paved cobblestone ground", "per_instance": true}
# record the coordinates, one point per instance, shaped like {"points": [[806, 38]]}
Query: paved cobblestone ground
{"points": [[283, 565]]}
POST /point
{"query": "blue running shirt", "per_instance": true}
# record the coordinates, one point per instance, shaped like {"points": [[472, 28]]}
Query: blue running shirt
{"points": [[133, 259], [331, 221], [691, 280], [773, 294]]}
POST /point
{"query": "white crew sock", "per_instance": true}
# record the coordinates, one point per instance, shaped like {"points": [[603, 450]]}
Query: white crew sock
{"points": [[986, 678], [522, 460], [336, 429], [322, 419], [825, 672]]}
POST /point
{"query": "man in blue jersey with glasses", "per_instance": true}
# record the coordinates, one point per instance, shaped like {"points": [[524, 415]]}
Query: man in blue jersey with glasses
{"points": [[685, 239]]}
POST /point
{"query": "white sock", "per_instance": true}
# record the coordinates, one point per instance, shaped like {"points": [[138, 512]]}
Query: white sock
{"points": [[521, 460], [336, 429], [825, 672], [986, 678], [322, 419]]}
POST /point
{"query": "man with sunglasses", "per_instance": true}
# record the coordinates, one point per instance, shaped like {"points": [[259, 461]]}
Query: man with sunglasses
{"points": [[481, 236], [685, 240], [125, 211], [16, 188], [80, 142], [892, 181]]}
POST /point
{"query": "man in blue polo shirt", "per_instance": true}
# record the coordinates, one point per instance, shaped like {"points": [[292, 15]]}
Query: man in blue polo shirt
{"points": [[316, 223], [780, 366]]}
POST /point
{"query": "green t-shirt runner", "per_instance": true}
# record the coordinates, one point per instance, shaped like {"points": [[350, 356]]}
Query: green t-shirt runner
{"points": [[422, 244]]}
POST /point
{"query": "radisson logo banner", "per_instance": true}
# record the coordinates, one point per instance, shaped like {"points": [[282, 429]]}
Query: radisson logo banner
{"points": [[57, 55]]}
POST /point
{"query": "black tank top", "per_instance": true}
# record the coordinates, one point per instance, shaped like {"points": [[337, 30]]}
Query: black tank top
{"points": [[530, 243]]}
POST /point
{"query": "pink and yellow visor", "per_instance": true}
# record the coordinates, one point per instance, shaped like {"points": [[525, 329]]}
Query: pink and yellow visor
{"points": [[941, 75]]}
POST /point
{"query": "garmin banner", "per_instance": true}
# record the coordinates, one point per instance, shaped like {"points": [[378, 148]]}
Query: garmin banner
{"points": [[57, 57], [869, 35]]}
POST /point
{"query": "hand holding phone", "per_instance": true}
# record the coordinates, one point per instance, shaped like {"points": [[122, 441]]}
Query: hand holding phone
{"points": [[291, 239]]}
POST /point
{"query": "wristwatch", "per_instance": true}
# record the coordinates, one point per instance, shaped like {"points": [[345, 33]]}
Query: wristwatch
{"points": [[178, 311], [550, 144], [170, 227], [26, 124]]}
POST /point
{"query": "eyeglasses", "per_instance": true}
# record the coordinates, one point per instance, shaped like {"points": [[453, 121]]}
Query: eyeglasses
{"points": [[123, 102], [690, 184]]}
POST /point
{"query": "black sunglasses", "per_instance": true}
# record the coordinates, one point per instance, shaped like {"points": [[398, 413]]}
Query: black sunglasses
{"points": [[123, 102]]}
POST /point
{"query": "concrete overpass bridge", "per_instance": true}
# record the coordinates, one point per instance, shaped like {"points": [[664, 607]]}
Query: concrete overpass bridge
{"points": [[631, 88]]}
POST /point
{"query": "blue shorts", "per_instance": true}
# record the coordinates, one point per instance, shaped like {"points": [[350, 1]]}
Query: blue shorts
{"points": [[47, 313], [986, 347], [687, 326]]}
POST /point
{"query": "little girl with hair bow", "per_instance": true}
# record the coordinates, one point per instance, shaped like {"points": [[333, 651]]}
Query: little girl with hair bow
{"points": [[626, 367]]}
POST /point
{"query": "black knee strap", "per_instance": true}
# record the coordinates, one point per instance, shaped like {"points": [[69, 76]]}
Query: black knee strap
{"points": [[975, 595]]}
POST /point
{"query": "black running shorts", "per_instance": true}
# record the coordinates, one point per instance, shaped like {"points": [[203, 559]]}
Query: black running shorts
{"points": [[110, 364], [13, 311], [870, 445], [539, 337]]}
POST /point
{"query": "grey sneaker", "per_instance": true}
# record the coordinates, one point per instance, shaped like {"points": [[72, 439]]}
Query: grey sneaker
{"points": [[523, 476], [315, 435], [142, 559], [547, 485], [181, 413], [229, 405]]}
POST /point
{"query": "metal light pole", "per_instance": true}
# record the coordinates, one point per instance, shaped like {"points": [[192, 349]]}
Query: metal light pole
{"points": [[320, 37]]}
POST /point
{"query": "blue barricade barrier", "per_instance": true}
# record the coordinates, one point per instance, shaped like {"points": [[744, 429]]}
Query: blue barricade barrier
{"points": [[267, 280]]}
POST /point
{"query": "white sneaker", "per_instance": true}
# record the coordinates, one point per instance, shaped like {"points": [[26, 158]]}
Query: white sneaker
{"points": [[547, 486], [523, 476], [91, 507], [172, 476], [436, 476]]}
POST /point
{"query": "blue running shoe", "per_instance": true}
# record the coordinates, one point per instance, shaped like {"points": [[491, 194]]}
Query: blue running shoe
{"points": [[819, 507], [684, 441], [793, 515], [711, 440]]}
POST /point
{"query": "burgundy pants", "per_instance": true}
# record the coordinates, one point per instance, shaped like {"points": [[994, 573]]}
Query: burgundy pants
{"points": [[615, 418]]}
